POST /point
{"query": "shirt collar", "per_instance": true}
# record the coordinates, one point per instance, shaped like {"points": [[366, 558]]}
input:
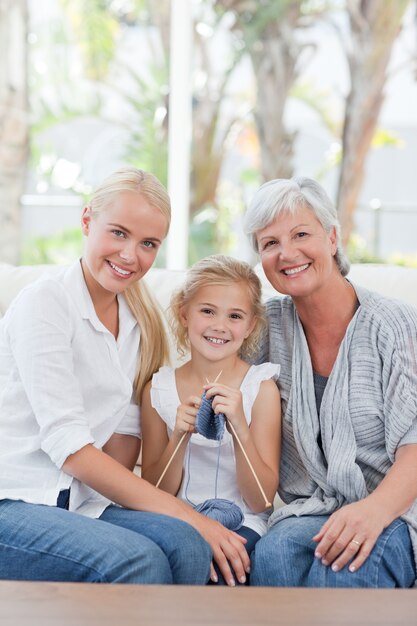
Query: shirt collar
{"points": [[78, 291]]}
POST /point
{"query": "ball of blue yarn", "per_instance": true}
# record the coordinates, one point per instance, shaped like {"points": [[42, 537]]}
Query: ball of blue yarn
{"points": [[208, 423], [224, 511]]}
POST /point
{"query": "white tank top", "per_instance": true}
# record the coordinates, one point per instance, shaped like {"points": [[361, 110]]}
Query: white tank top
{"points": [[200, 462]]}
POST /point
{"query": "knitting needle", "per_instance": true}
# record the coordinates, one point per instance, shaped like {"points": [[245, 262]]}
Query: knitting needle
{"points": [[217, 378], [252, 469], [267, 504], [170, 460], [179, 444]]}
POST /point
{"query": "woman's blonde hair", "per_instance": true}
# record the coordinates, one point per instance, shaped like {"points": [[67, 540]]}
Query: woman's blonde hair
{"points": [[154, 350], [218, 270]]}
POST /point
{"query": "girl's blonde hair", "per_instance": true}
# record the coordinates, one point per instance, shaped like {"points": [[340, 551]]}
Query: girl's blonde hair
{"points": [[154, 349], [218, 270]]}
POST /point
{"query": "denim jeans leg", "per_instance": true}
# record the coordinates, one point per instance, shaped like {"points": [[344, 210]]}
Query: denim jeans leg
{"points": [[188, 554], [252, 538], [48, 543], [284, 556], [389, 565]]}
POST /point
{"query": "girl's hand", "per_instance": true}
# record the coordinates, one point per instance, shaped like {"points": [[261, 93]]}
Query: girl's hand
{"points": [[228, 549], [228, 401], [186, 414], [350, 533]]}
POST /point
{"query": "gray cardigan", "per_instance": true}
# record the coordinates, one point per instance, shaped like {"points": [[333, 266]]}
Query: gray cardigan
{"points": [[369, 406]]}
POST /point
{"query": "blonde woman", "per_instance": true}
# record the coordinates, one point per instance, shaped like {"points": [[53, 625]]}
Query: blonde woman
{"points": [[75, 352]]}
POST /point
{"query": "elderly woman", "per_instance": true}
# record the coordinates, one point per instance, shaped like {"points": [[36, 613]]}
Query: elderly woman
{"points": [[349, 403]]}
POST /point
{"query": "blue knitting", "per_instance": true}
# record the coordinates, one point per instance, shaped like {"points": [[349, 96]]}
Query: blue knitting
{"points": [[211, 426], [224, 511], [208, 423]]}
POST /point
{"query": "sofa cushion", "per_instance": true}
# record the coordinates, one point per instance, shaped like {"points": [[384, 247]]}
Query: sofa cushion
{"points": [[394, 281], [390, 280]]}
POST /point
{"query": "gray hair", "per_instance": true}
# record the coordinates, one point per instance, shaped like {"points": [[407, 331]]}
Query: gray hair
{"points": [[281, 194]]}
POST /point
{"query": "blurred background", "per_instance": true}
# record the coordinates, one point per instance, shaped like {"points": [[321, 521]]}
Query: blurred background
{"points": [[214, 97]]}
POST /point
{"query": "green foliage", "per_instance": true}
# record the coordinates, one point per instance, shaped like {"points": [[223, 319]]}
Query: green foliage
{"points": [[358, 251], [60, 249], [404, 260], [96, 29], [253, 18], [202, 235], [61, 94], [212, 229], [318, 101], [255, 22], [53, 81], [251, 177], [147, 144], [383, 138], [309, 7]]}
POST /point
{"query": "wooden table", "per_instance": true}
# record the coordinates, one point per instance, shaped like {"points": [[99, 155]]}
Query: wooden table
{"points": [[64, 604]]}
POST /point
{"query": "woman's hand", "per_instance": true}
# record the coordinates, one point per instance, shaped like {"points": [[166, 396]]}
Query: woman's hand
{"points": [[186, 415], [350, 533], [228, 549], [228, 401]]}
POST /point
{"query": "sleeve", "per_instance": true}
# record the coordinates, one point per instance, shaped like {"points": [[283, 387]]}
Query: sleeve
{"points": [[266, 371], [252, 382], [400, 379], [164, 398], [130, 424], [39, 328]]}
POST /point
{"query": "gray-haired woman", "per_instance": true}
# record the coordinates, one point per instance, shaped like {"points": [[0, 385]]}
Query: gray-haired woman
{"points": [[349, 403]]}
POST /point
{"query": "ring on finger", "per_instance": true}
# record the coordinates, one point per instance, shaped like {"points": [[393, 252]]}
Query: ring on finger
{"points": [[357, 543]]}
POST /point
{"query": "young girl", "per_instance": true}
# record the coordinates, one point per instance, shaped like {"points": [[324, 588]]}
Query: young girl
{"points": [[75, 352], [218, 315]]}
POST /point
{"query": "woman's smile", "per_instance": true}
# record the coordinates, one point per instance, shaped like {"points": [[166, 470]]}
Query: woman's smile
{"points": [[297, 253], [120, 272], [293, 271]]}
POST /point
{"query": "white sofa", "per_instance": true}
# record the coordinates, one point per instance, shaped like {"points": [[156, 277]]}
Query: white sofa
{"points": [[391, 280], [395, 281]]}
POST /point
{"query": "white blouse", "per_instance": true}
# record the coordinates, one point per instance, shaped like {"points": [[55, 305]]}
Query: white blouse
{"points": [[202, 456], [65, 382]]}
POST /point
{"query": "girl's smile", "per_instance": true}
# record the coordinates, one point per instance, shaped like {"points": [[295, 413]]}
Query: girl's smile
{"points": [[217, 341], [218, 319]]}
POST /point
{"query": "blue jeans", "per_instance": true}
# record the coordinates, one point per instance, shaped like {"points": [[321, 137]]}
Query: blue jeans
{"points": [[40, 542], [284, 557], [251, 538]]}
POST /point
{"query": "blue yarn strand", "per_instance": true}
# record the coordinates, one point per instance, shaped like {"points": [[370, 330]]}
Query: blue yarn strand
{"points": [[212, 426]]}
